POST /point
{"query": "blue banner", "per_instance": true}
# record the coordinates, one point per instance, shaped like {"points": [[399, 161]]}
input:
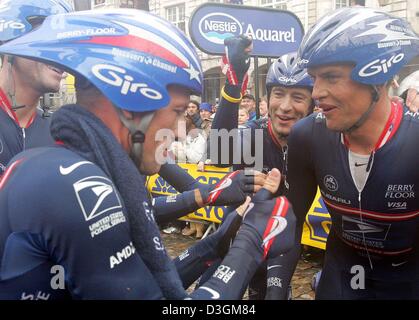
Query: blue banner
{"points": [[274, 32]]}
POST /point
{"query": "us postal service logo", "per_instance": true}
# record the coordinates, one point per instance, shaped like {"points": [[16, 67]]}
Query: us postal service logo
{"points": [[96, 196], [217, 26]]}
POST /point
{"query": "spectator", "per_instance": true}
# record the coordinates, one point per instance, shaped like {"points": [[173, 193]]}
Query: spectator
{"points": [[243, 116], [193, 107], [263, 107], [205, 110], [249, 102]]}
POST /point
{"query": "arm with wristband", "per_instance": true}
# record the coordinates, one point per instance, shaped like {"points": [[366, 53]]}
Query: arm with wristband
{"points": [[235, 65], [231, 190], [267, 230]]}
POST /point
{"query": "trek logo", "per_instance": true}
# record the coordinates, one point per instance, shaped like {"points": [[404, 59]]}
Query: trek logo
{"points": [[285, 79], [378, 65], [122, 255], [217, 26], [117, 77], [10, 25], [96, 195], [330, 183], [369, 230]]}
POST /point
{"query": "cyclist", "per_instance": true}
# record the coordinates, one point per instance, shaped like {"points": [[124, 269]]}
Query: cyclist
{"points": [[23, 82], [97, 223]]}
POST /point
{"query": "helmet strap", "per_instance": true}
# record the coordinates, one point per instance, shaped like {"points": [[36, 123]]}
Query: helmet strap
{"points": [[137, 132], [12, 96], [364, 117]]}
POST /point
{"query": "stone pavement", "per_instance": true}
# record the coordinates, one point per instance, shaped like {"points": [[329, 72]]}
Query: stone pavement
{"points": [[309, 264]]}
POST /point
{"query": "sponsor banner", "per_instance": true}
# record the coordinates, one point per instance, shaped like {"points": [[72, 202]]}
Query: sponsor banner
{"points": [[317, 225], [157, 186], [274, 32]]}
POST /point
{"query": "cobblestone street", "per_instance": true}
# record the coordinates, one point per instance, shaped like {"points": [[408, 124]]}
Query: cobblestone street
{"points": [[308, 265]]}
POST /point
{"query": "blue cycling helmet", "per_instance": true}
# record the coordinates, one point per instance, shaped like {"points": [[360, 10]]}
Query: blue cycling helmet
{"points": [[286, 72], [378, 44], [131, 56], [205, 106], [18, 17]]}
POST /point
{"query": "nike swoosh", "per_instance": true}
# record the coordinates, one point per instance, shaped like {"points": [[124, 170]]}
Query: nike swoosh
{"points": [[360, 164], [274, 266], [216, 192], [398, 264], [65, 171], [277, 229], [226, 183], [250, 207], [215, 294]]}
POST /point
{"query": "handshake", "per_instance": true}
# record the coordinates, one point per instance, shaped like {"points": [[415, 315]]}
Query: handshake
{"points": [[262, 219]]}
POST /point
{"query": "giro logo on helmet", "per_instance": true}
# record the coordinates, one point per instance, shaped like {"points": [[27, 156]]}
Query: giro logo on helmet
{"points": [[302, 62], [118, 77], [285, 79], [10, 24], [378, 65]]}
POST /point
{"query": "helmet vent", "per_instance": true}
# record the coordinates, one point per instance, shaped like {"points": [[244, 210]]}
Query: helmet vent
{"points": [[312, 46], [330, 26]]}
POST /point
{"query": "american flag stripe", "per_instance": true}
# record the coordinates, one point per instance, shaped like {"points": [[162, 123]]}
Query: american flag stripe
{"points": [[151, 37], [143, 45], [166, 29]]}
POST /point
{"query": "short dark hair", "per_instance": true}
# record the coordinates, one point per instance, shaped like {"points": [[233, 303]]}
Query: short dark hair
{"points": [[194, 102], [249, 96]]}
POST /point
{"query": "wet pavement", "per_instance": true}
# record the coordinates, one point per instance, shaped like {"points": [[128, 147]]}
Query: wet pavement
{"points": [[309, 264]]}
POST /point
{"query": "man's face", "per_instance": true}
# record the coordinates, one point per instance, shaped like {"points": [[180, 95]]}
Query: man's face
{"points": [[38, 76], [192, 108], [165, 118], [248, 104], [342, 100], [287, 106]]}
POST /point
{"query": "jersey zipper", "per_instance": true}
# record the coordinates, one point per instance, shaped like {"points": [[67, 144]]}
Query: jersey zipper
{"points": [[24, 138], [285, 166], [390, 129]]}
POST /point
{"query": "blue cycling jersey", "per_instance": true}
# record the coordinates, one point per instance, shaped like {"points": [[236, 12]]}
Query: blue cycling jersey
{"points": [[68, 213], [14, 138], [60, 215], [376, 227]]}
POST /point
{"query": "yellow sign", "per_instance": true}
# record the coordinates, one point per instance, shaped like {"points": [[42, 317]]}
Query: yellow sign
{"points": [[316, 228], [157, 186], [317, 225]]}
